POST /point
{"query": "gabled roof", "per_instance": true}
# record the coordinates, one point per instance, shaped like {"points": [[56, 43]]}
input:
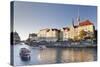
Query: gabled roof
{"points": [[85, 23]]}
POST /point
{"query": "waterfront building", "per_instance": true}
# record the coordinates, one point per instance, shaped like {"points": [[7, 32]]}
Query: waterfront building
{"points": [[42, 34], [16, 38], [74, 32], [65, 33], [48, 35], [33, 37]]}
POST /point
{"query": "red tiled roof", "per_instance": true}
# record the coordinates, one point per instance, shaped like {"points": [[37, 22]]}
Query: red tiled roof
{"points": [[86, 22]]}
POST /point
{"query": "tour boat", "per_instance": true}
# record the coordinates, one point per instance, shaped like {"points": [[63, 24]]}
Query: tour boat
{"points": [[25, 54]]}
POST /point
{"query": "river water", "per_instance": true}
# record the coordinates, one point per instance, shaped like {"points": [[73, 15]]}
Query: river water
{"points": [[55, 55]]}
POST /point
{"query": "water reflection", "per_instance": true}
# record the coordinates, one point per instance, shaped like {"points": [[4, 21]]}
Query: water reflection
{"points": [[67, 55], [47, 56], [78, 54], [55, 55]]}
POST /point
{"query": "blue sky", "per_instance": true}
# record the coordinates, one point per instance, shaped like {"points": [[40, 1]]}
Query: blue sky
{"points": [[30, 17]]}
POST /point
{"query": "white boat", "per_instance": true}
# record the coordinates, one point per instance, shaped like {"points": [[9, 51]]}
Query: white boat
{"points": [[25, 54]]}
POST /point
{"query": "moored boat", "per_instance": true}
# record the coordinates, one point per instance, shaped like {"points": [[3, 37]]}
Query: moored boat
{"points": [[25, 54]]}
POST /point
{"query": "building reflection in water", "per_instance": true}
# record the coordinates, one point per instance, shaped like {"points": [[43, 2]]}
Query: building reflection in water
{"points": [[59, 55], [47, 56]]}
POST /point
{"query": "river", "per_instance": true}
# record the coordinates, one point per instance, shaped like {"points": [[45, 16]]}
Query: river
{"points": [[54, 55]]}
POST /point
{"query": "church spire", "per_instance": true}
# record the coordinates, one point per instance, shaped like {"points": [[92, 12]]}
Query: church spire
{"points": [[73, 22], [78, 17]]}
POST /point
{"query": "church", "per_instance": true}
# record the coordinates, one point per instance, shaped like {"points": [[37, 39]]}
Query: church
{"points": [[80, 31], [75, 31]]}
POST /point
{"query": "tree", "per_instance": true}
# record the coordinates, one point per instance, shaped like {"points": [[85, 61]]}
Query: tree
{"points": [[82, 34]]}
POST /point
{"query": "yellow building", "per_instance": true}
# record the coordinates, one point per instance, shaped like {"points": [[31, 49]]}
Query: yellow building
{"points": [[66, 33], [86, 26], [74, 31]]}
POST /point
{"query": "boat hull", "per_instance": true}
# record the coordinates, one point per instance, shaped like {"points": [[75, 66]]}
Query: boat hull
{"points": [[25, 58], [25, 54]]}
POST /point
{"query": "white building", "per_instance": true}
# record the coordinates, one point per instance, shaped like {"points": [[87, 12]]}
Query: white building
{"points": [[33, 37], [48, 34]]}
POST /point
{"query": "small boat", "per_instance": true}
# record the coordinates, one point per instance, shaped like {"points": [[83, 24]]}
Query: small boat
{"points": [[25, 54]]}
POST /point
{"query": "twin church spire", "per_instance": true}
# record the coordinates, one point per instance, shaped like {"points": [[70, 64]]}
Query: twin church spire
{"points": [[78, 18]]}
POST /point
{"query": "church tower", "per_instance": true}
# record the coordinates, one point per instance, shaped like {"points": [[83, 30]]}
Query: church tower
{"points": [[72, 22], [78, 17], [78, 20]]}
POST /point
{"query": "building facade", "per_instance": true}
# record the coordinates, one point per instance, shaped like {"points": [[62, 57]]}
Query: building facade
{"points": [[75, 31], [64, 34], [48, 35], [33, 37]]}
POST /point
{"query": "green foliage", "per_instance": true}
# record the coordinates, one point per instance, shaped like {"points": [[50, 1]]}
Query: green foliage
{"points": [[82, 34]]}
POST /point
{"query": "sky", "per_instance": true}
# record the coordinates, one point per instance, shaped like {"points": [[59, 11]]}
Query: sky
{"points": [[30, 17]]}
